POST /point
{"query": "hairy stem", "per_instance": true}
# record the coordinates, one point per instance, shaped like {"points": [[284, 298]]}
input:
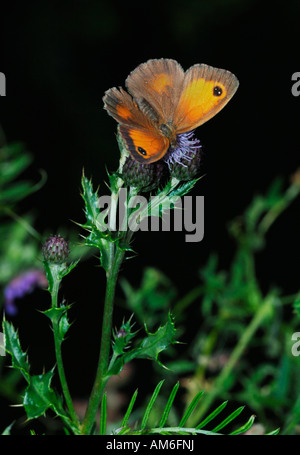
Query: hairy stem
{"points": [[58, 353], [115, 260]]}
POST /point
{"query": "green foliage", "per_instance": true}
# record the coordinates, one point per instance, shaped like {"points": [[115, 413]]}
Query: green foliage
{"points": [[13, 347], [18, 239], [235, 316], [101, 224], [7, 430], [143, 428], [237, 320], [39, 396], [13, 161], [149, 347], [103, 415], [59, 316], [151, 301], [100, 236]]}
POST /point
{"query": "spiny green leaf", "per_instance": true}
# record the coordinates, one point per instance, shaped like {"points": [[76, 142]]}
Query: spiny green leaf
{"points": [[39, 397], [7, 430], [123, 337], [68, 268], [91, 200], [113, 181], [150, 347], [99, 236], [183, 189], [59, 315], [156, 342], [13, 347], [48, 276]]}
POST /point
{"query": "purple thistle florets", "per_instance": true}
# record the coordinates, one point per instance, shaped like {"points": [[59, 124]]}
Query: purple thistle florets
{"points": [[21, 285], [187, 146]]}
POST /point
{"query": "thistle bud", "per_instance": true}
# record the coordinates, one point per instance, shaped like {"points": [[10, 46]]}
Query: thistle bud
{"points": [[56, 249]]}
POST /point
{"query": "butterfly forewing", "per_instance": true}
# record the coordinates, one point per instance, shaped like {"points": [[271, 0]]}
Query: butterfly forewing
{"points": [[120, 105], [205, 92], [159, 82]]}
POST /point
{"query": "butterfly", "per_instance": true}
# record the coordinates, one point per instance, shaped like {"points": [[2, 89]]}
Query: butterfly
{"points": [[163, 102]]}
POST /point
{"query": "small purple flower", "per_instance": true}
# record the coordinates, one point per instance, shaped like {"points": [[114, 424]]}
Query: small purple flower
{"points": [[187, 146], [20, 286]]}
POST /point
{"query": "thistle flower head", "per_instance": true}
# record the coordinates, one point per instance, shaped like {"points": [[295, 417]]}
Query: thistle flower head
{"points": [[187, 146], [56, 249], [184, 159], [142, 175]]}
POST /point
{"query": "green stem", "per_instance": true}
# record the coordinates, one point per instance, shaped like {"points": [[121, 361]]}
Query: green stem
{"points": [[234, 358], [114, 261], [291, 193], [58, 353], [23, 222]]}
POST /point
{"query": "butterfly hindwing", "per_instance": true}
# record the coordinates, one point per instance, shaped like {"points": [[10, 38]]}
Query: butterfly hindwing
{"points": [[145, 145], [143, 140]]}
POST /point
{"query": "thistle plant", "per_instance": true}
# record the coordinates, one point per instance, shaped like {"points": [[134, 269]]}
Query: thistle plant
{"points": [[122, 345], [109, 227]]}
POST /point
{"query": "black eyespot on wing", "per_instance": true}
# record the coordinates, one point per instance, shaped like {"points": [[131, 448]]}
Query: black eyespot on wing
{"points": [[142, 151], [217, 91], [139, 155]]}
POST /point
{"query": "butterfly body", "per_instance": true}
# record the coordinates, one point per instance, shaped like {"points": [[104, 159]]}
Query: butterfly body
{"points": [[164, 102]]}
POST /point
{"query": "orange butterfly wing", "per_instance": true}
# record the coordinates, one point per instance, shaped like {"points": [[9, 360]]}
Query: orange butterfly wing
{"points": [[158, 83], [206, 90], [142, 138]]}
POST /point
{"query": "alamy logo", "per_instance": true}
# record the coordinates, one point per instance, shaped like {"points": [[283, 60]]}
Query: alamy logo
{"points": [[296, 346], [188, 215], [2, 345], [2, 84]]}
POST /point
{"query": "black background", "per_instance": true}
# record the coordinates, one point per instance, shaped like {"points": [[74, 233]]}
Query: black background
{"points": [[60, 57]]}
